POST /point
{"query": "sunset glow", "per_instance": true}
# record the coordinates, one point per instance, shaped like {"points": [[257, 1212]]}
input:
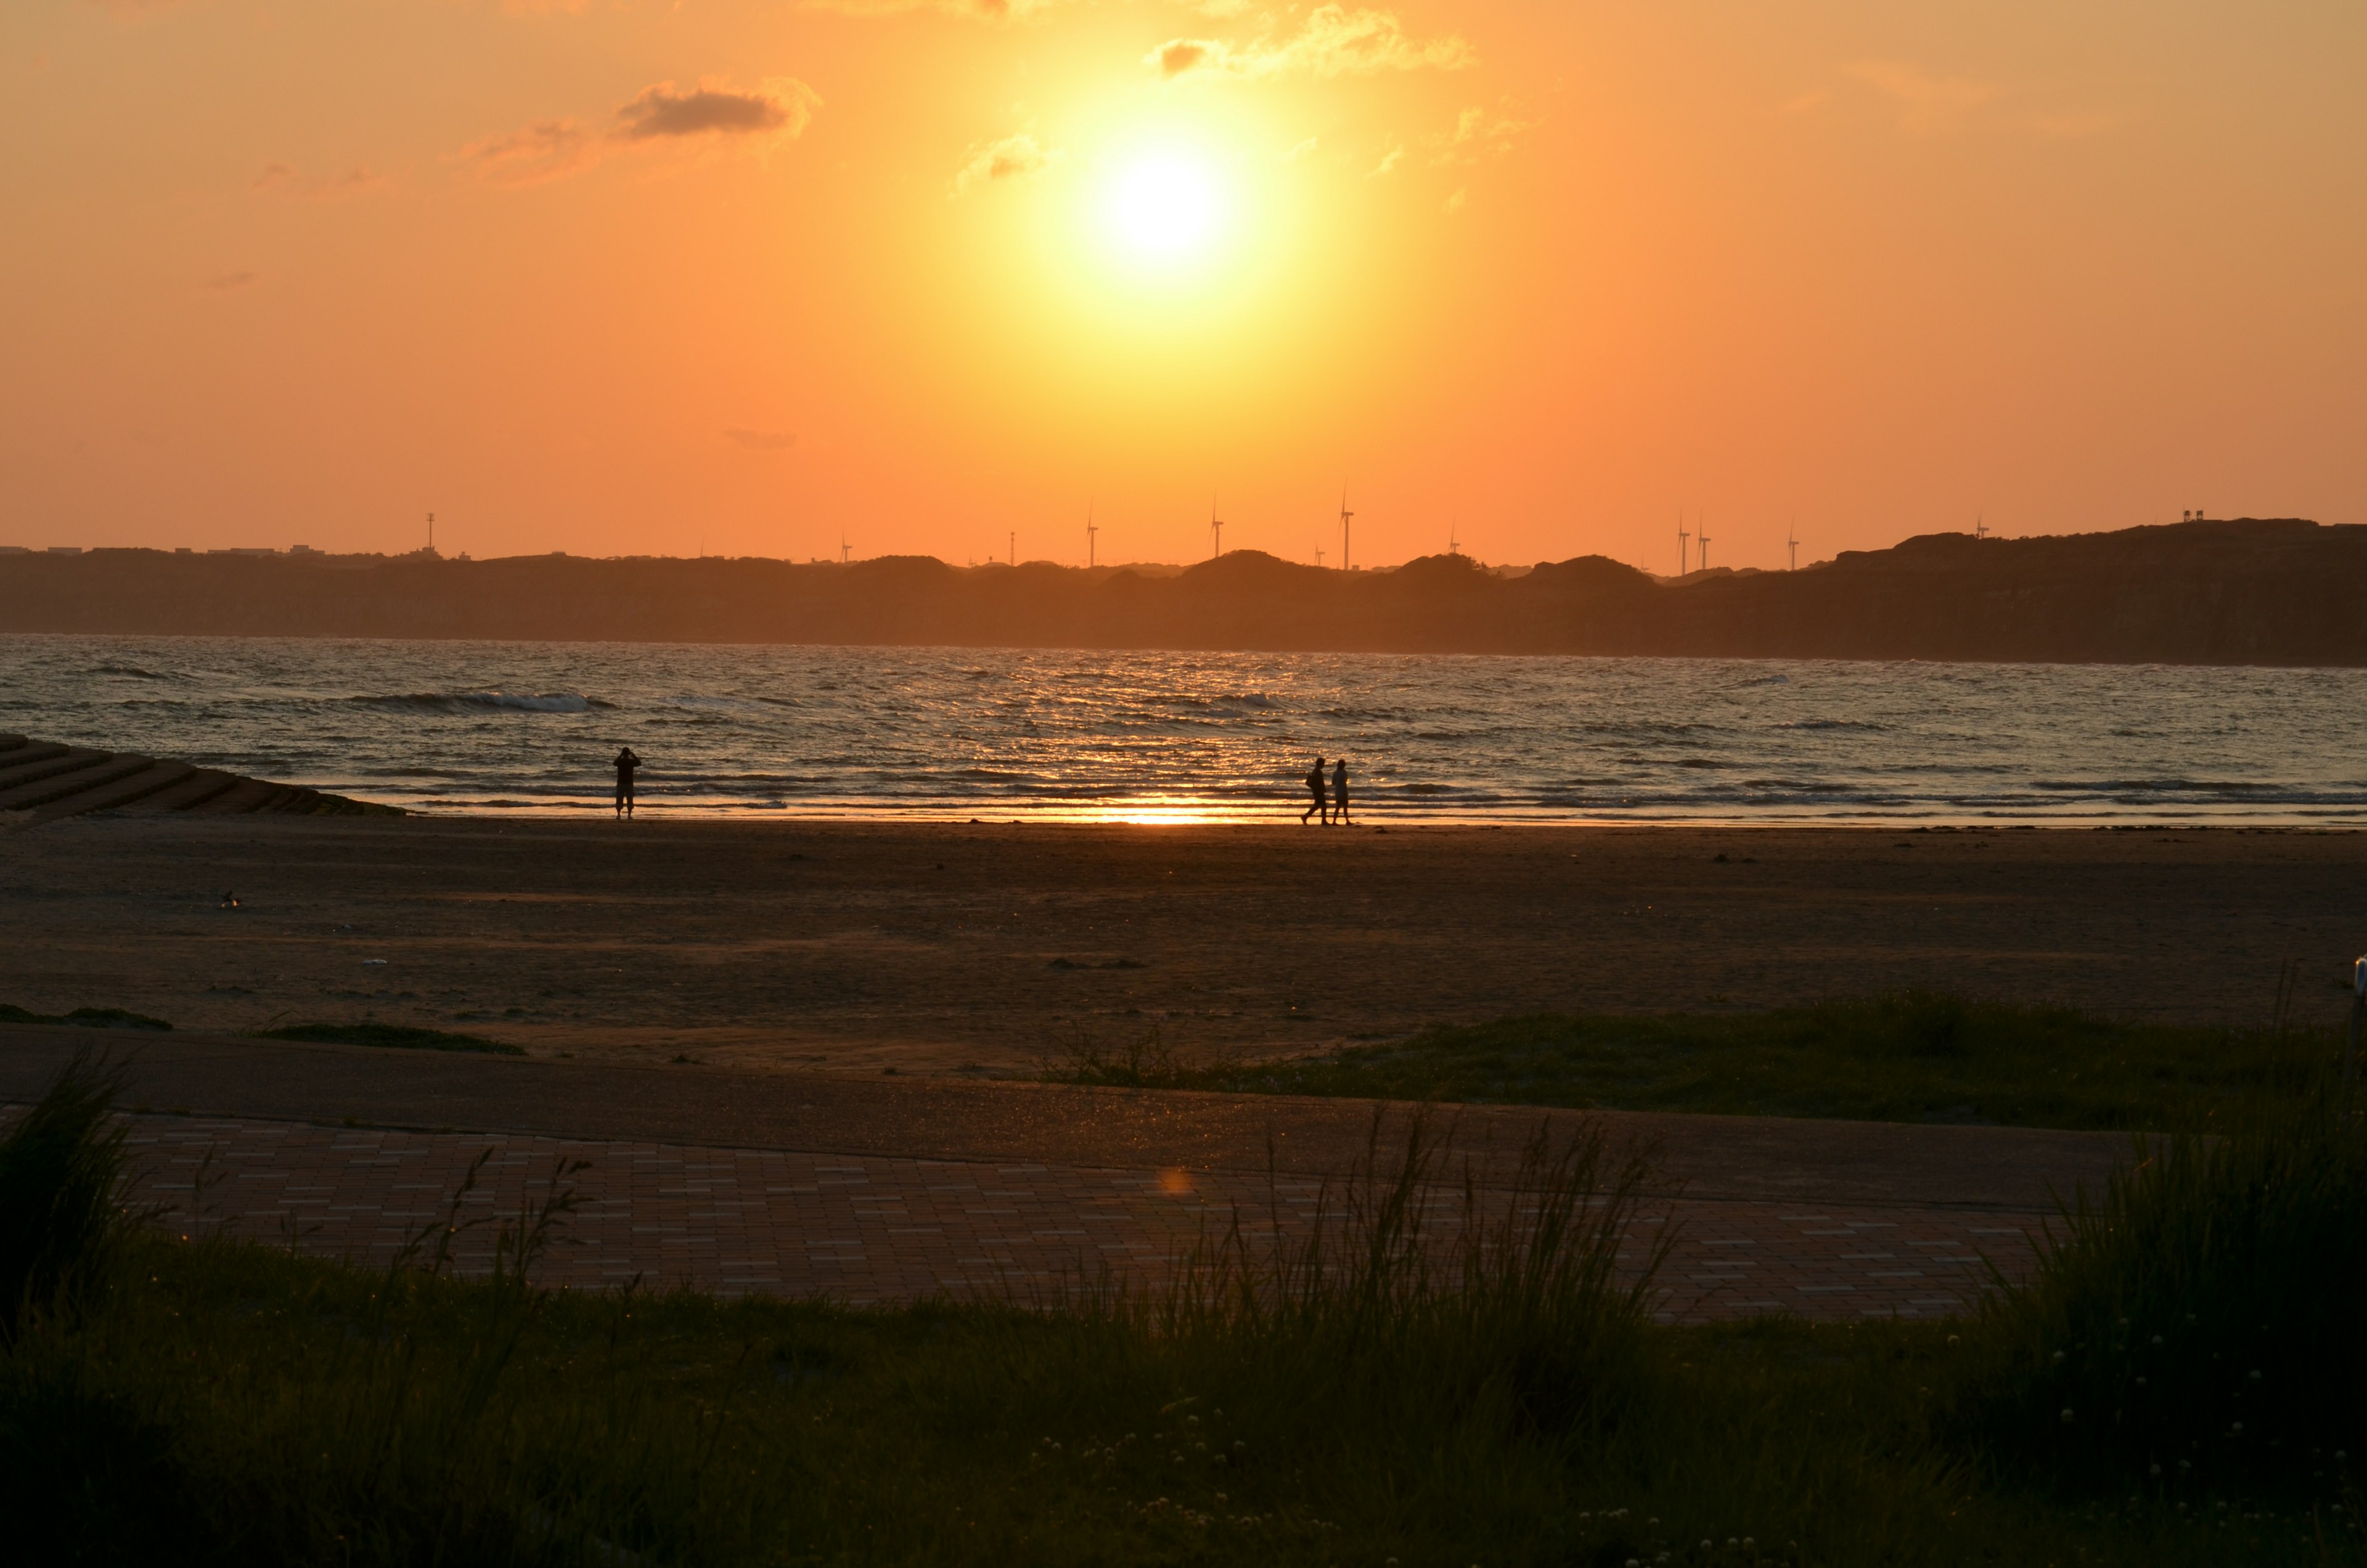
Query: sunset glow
{"points": [[757, 279]]}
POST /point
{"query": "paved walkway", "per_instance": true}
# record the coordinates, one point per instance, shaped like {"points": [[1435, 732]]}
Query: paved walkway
{"points": [[1768, 1215]]}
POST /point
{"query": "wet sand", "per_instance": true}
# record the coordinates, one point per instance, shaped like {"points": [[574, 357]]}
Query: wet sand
{"points": [[987, 948]]}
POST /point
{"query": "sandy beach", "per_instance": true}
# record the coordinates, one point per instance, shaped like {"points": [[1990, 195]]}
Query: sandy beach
{"points": [[983, 949]]}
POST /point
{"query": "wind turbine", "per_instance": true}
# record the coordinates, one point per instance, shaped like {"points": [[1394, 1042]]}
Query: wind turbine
{"points": [[1682, 536], [1344, 516], [1702, 522], [1980, 529], [1791, 543], [1014, 547], [1453, 528], [845, 550], [1090, 532], [1215, 531]]}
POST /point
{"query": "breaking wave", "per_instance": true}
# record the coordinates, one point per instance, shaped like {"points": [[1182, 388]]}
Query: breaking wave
{"points": [[486, 702]]}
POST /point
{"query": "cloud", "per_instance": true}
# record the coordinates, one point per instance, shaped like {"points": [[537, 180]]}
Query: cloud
{"points": [[544, 149], [1302, 150], [1455, 203], [1478, 134], [2068, 124], [1389, 162], [761, 440], [1013, 158], [974, 10], [1334, 41], [280, 179], [785, 106], [547, 149], [1927, 103], [225, 282]]}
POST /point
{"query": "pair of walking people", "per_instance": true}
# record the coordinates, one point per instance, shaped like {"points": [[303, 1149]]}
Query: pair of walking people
{"points": [[1336, 801]]}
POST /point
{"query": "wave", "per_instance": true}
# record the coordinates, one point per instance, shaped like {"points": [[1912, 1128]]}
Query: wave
{"points": [[485, 702], [132, 670]]}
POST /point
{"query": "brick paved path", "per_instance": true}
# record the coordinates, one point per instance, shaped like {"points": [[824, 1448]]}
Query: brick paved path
{"points": [[873, 1228]]}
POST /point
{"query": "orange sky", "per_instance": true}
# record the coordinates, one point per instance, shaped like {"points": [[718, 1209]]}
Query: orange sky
{"points": [[655, 275]]}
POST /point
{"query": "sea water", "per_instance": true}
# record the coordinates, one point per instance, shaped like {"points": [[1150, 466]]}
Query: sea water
{"points": [[998, 734]]}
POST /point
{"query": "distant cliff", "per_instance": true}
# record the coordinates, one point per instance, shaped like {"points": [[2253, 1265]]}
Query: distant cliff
{"points": [[2283, 591]]}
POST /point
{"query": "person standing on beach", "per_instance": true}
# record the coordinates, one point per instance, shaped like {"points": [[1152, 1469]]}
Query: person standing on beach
{"points": [[1338, 789], [626, 763], [1314, 782]]}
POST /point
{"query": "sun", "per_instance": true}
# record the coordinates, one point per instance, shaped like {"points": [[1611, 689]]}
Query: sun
{"points": [[1166, 207]]}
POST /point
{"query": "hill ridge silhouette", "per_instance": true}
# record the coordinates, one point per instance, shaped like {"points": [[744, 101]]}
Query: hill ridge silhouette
{"points": [[2247, 591]]}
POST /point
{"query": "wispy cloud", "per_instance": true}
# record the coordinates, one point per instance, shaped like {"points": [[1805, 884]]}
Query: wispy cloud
{"points": [[760, 440], [709, 113], [1927, 103], [1012, 158], [279, 179], [223, 282], [787, 105], [1389, 162], [1479, 133], [544, 149], [1333, 41]]}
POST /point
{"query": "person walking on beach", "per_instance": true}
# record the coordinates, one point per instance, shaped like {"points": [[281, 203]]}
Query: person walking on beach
{"points": [[1314, 782], [626, 763], [1338, 789]]}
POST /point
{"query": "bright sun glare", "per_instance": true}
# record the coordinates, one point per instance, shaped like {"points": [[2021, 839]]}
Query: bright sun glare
{"points": [[1165, 208]]}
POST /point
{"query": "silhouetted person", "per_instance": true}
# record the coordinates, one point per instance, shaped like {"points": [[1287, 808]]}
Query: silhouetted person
{"points": [[626, 763], [1314, 782], [1339, 790]]}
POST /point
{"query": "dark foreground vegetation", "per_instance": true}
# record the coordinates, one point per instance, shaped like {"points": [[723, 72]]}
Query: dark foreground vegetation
{"points": [[2270, 590], [2182, 1385], [1913, 1058]]}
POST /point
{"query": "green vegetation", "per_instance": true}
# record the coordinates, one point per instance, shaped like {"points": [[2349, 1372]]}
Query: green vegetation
{"points": [[1914, 1057], [1488, 1392], [395, 1036], [86, 1018]]}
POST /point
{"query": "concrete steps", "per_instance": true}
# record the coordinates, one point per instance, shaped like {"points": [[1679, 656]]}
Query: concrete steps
{"points": [[43, 782]]}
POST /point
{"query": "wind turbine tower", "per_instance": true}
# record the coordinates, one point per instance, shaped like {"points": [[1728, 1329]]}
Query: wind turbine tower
{"points": [[1793, 545], [1344, 516], [1702, 522], [845, 550], [1090, 532], [1215, 531], [1682, 536], [1014, 547]]}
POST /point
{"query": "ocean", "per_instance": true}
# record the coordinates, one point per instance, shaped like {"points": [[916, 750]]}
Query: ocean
{"points": [[1001, 734]]}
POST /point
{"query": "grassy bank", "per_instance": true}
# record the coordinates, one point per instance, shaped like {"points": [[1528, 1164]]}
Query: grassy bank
{"points": [[1491, 1393], [1915, 1058]]}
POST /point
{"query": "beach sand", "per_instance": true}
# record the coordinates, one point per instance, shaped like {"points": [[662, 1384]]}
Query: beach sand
{"points": [[992, 948]]}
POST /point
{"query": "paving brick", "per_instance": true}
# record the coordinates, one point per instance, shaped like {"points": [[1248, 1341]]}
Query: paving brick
{"points": [[884, 1229]]}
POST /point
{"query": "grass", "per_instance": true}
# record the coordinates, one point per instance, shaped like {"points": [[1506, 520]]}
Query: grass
{"points": [[1912, 1058], [392, 1035]]}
